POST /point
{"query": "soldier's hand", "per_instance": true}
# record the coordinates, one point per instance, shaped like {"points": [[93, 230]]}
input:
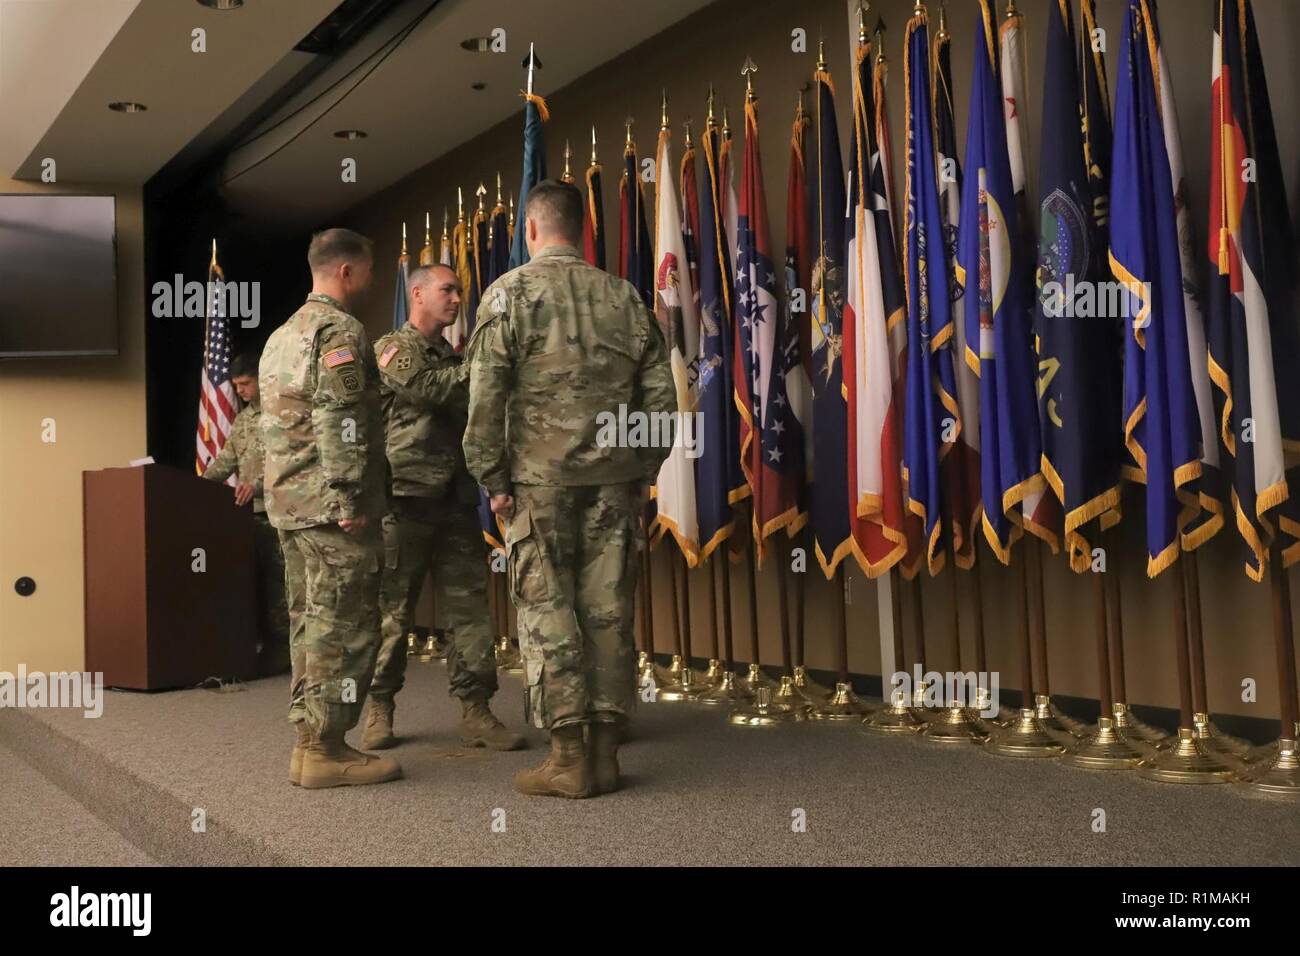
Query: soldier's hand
{"points": [[503, 506], [244, 494], [353, 526]]}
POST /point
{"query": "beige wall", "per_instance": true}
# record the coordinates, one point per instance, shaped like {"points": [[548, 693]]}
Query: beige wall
{"points": [[98, 406]]}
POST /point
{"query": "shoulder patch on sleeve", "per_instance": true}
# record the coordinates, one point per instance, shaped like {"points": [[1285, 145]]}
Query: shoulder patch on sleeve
{"points": [[387, 356], [339, 356]]}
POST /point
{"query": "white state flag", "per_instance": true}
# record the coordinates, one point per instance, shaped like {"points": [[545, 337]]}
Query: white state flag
{"points": [[678, 318]]}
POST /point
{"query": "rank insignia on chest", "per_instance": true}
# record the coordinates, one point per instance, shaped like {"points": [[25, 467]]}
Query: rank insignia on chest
{"points": [[403, 363], [337, 357], [387, 356]]}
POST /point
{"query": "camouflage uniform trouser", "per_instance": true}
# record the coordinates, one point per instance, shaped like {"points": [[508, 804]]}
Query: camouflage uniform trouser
{"points": [[442, 535], [273, 613], [332, 583], [575, 554]]}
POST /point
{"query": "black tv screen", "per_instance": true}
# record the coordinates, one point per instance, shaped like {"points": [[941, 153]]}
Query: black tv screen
{"points": [[58, 276]]}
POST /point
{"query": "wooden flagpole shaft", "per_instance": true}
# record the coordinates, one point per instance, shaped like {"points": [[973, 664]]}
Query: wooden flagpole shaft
{"points": [[981, 650], [918, 621], [1026, 650], [713, 606], [1042, 681], [647, 603], [784, 599], [1104, 695], [1115, 621], [753, 602], [896, 607], [724, 571], [1284, 643], [686, 609], [843, 661], [1195, 638], [677, 621], [956, 604], [798, 618], [1180, 642]]}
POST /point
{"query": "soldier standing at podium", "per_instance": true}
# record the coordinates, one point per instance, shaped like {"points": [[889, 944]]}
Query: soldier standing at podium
{"points": [[241, 456], [432, 523], [324, 485]]}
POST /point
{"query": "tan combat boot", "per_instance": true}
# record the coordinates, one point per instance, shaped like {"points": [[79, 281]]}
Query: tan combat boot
{"points": [[332, 763], [378, 734], [479, 727], [564, 772], [603, 750], [299, 749]]}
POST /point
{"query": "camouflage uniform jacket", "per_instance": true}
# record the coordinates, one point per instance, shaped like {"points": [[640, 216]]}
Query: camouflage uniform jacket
{"points": [[424, 394], [558, 347], [321, 428], [242, 455]]}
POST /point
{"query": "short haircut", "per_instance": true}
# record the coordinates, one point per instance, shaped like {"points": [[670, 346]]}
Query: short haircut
{"points": [[333, 246], [244, 365], [557, 207], [423, 275]]}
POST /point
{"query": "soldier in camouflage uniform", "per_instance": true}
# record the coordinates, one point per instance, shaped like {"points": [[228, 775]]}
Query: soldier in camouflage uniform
{"points": [[325, 494], [432, 522], [559, 346], [241, 456]]}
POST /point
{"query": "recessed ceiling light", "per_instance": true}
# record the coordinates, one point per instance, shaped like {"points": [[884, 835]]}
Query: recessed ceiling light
{"points": [[350, 134], [477, 44], [222, 4], [126, 106], [480, 85]]}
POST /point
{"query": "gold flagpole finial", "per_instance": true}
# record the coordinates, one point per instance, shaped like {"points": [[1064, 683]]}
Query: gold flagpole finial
{"points": [[627, 123], [1011, 10], [747, 72], [532, 61], [499, 180], [709, 121], [686, 143], [444, 222], [880, 39], [943, 21], [663, 110], [426, 229], [403, 238], [593, 144], [726, 123], [567, 175], [480, 193], [919, 9], [821, 56], [512, 209], [460, 205], [214, 250], [862, 22]]}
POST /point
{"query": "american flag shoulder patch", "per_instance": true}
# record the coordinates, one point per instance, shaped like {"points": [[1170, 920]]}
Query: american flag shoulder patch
{"points": [[339, 356], [387, 356]]}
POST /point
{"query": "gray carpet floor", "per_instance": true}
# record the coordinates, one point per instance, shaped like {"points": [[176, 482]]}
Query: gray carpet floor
{"points": [[698, 792]]}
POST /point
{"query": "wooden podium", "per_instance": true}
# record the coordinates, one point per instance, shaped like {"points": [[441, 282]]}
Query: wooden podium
{"points": [[154, 621]]}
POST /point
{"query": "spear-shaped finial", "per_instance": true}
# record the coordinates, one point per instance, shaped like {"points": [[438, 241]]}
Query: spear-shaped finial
{"points": [[512, 209], [444, 222], [686, 143], [880, 39], [214, 250], [498, 187], [747, 72], [460, 205], [821, 56], [532, 66], [919, 8], [403, 238], [480, 193], [663, 110], [566, 176], [943, 21], [628, 124], [798, 109], [862, 22], [709, 120], [726, 124], [1011, 10], [426, 228]]}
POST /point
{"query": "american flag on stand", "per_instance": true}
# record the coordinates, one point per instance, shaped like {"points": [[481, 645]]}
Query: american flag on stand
{"points": [[218, 404]]}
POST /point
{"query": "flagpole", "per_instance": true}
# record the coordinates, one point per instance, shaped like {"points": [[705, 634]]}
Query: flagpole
{"points": [[1060, 725], [1207, 732], [1127, 725], [1278, 773], [958, 723]]}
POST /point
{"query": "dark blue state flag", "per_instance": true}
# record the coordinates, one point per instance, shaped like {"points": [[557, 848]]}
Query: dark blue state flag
{"points": [[995, 273], [1079, 375], [1162, 422], [535, 114]]}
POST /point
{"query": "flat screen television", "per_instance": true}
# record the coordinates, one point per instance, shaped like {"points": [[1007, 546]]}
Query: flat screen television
{"points": [[58, 276]]}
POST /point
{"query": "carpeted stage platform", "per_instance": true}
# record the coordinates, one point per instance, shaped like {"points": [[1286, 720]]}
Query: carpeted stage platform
{"points": [[122, 790]]}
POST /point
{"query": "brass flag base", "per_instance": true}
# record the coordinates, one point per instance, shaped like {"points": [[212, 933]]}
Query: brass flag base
{"points": [[1267, 753], [787, 695], [1025, 738], [1127, 725], [713, 676], [688, 687], [1186, 762], [648, 673], [763, 712], [508, 656], [429, 651], [1281, 776], [1054, 723], [727, 691], [810, 688], [1215, 739], [842, 705], [1104, 750], [955, 725], [412, 645], [667, 676], [754, 679], [897, 718], [983, 699]]}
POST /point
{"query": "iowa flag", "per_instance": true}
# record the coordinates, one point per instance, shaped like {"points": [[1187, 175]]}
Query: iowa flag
{"points": [[1252, 326], [1166, 401], [674, 306], [995, 273]]}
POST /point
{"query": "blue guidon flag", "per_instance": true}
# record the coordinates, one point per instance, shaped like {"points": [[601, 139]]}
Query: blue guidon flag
{"points": [[535, 114], [1166, 419], [995, 273], [1254, 354]]}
